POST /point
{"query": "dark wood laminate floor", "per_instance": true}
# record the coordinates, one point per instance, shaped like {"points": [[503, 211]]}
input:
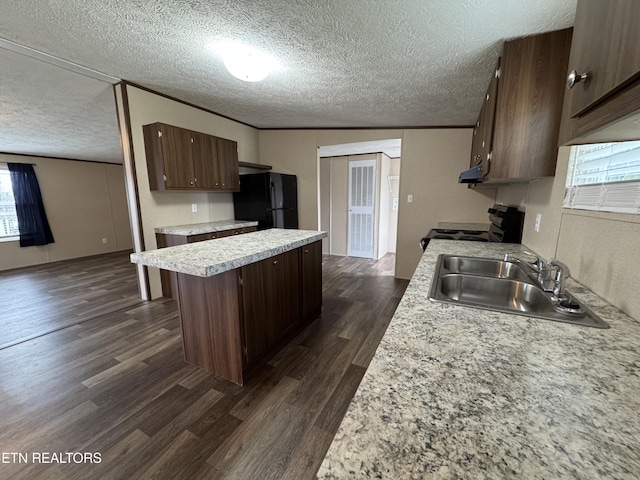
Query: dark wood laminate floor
{"points": [[45, 298], [117, 385]]}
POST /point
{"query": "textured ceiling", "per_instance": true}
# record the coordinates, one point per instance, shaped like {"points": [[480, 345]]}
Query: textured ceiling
{"points": [[47, 110], [344, 63]]}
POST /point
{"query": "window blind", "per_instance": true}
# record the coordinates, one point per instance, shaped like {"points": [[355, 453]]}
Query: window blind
{"points": [[8, 217], [604, 176]]}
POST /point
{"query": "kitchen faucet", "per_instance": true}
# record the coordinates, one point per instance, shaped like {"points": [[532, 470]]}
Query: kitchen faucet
{"points": [[562, 272], [541, 272], [537, 265]]}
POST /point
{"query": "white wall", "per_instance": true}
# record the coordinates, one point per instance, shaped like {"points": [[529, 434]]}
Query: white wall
{"points": [[601, 249], [84, 201], [174, 208], [384, 206], [393, 214], [431, 162]]}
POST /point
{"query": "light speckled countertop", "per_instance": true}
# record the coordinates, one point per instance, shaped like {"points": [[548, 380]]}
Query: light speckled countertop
{"points": [[460, 393], [206, 227], [210, 257]]}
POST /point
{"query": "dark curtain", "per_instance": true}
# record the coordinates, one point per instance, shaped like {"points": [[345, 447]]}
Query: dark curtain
{"points": [[32, 220]]}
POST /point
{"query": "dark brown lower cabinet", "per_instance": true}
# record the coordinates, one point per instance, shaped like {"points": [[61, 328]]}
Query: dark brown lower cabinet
{"points": [[270, 297], [167, 278], [311, 279], [232, 323]]}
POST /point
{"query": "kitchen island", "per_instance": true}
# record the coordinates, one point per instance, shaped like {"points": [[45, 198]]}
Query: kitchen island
{"points": [[456, 392], [172, 235], [242, 298]]}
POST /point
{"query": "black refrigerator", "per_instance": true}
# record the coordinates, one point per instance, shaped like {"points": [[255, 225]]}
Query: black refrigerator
{"points": [[269, 198]]}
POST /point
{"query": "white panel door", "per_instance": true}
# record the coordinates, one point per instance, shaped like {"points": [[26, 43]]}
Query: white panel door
{"points": [[362, 187]]}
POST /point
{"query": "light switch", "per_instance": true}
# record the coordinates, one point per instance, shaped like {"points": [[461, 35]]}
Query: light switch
{"points": [[536, 227], [395, 203], [410, 198], [194, 207]]}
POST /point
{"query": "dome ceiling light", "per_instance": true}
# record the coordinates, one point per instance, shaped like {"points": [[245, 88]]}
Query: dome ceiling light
{"points": [[246, 63]]}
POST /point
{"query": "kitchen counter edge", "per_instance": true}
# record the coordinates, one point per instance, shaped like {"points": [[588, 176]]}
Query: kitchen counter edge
{"points": [[211, 257], [456, 392]]}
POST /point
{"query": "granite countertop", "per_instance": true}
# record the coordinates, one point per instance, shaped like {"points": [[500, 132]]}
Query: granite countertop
{"points": [[206, 227], [483, 227], [460, 393], [210, 257]]}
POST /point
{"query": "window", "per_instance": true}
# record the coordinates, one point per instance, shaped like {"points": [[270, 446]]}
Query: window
{"points": [[604, 176], [8, 218]]}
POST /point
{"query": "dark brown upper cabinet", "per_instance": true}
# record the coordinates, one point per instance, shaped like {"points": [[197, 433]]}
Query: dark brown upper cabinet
{"points": [[227, 155], [603, 75], [483, 130], [516, 136], [181, 159]]}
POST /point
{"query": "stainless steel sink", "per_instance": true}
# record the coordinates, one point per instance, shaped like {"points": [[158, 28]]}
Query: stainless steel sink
{"points": [[496, 285], [488, 267]]}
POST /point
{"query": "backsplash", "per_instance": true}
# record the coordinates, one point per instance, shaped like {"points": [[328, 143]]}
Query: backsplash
{"points": [[600, 248]]}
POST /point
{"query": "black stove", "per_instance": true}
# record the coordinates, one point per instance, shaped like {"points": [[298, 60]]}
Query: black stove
{"points": [[506, 227]]}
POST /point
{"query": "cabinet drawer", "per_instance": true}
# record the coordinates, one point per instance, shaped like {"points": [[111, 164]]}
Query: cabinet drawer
{"points": [[202, 237]]}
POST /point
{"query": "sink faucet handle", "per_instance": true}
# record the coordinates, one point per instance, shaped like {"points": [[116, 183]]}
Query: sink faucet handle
{"points": [[562, 272], [554, 262], [538, 263]]}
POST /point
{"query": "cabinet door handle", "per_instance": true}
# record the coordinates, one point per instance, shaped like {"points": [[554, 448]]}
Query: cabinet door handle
{"points": [[574, 77], [306, 251], [275, 262]]}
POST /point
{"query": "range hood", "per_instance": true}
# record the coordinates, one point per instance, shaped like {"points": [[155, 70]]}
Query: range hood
{"points": [[473, 175]]}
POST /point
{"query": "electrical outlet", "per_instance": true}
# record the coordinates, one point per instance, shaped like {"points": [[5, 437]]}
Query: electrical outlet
{"points": [[536, 227], [410, 198], [395, 203], [194, 207], [104, 240]]}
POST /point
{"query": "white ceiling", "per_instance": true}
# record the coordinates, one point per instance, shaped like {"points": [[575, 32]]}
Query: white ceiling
{"points": [[344, 63]]}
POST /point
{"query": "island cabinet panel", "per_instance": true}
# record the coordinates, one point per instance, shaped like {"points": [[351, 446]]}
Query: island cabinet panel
{"points": [[311, 280], [233, 322], [209, 314], [270, 297]]}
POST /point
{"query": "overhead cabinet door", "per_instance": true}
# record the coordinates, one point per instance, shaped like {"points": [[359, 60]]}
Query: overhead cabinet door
{"points": [[529, 106], [181, 159], [204, 161], [176, 157], [606, 48], [227, 160]]}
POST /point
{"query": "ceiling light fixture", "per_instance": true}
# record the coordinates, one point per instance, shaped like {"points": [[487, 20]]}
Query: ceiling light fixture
{"points": [[246, 63]]}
